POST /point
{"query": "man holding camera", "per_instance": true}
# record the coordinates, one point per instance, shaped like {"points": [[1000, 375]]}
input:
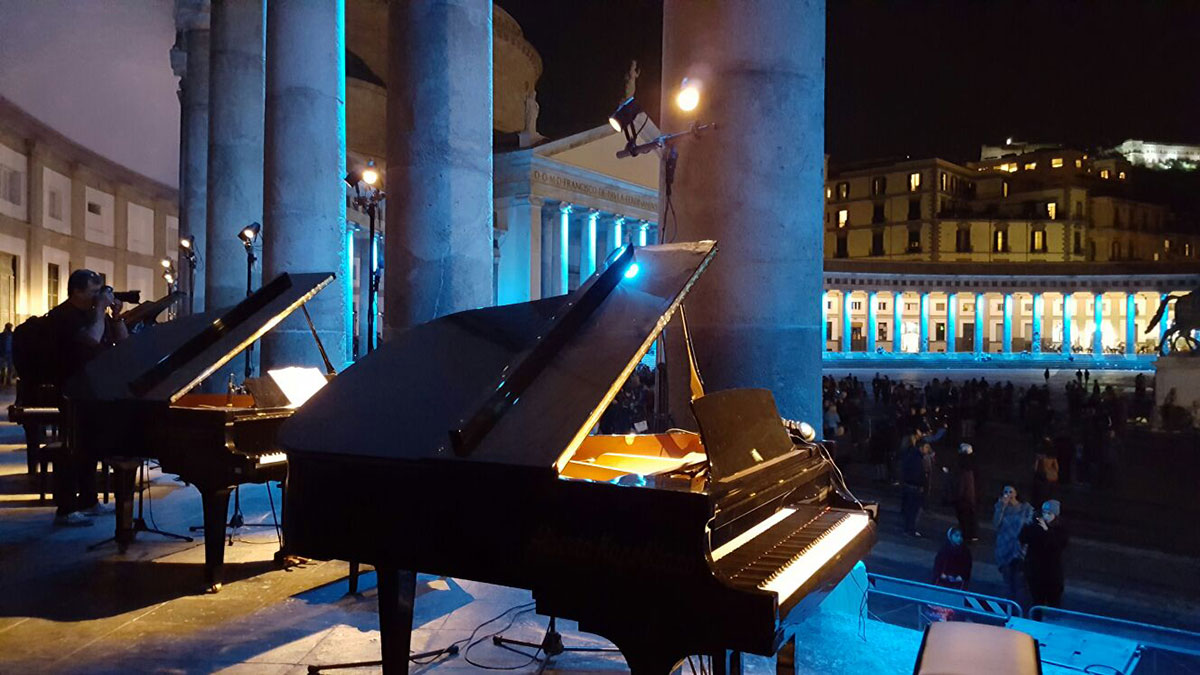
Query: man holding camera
{"points": [[82, 326]]}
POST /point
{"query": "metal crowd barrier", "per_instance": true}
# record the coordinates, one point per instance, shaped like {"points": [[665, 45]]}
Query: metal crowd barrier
{"points": [[974, 604], [1146, 634]]}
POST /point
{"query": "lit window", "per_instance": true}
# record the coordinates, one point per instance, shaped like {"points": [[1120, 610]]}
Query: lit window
{"points": [[1056, 163], [1187, 249], [1121, 176], [1079, 164], [843, 190], [942, 176], [1030, 166], [1004, 189], [828, 193], [1000, 241], [1052, 210], [1167, 245], [1104, 174], [843, 217], [1038, 243], [914, 182]]}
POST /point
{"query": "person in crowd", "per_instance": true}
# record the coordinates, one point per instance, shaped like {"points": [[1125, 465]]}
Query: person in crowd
{"points": [[6, 354], [832, 422], [1009, 516], [916, 470], [1045, 471], [1045, 539], [964, 493], [952, 565]]}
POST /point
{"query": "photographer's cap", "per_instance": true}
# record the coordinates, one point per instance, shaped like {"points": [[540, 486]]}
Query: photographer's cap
{"points": [[1052, 506]]}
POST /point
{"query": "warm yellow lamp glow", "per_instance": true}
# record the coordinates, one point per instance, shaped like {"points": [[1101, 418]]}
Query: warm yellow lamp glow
{"points": [[370, 175], [689, 95], [165, 262]]}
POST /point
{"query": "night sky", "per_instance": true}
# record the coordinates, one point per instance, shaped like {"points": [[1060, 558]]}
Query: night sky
{"points": [[919, 78]]}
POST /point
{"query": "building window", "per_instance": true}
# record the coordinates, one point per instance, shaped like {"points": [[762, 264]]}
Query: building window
{"points": [[1000, 240], [939, 331], [11, 185], [1052, 210], [879, 185], [1167, 245], [1121, 176], [843, 217], [1079, 164], [1077, 243], [93, 207], [1104, 174], [1030, 166], [914, 240], [914, 209], [52, 282], [877, 213], [55, 204], [883, 305], [962, 239], [1115, 252], [942, 178], [1004, 189], [1078, 210], [877, 242], [1187, 249], [841, 251], [843, 190], [1037, 241], [828, 193], [829, 328], [856, 305], [1056, 163], [914, 182]]}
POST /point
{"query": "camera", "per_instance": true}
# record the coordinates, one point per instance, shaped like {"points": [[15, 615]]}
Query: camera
{"points": [[130, 297]]}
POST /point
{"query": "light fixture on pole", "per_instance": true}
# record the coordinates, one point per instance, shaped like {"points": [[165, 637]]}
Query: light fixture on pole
{"points": [[169, 275], [187, 253], [369, 202], [249, 235]]}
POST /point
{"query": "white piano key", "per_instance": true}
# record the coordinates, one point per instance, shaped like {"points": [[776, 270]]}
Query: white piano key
{"points": [[802, 567]]}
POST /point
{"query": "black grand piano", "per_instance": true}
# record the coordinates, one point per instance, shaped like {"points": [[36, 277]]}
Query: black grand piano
{"points": [[463, 448], [133, 401]]}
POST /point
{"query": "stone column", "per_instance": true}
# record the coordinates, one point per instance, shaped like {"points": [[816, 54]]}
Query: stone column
{"points": [[753, 317], [1036, 324], [1068, 311], [587, 246], [871, 322], [923, 328], [643, 232], [520, 252], [618, 233], [193, 204], [439, 180], [1130, 323], [1006, 334], [304, 213], [897, 321], [1098, 323], [951, 321], [235, 146], [562, 260], [34, 282], [980, 304], [549, 256], [846, 328]]}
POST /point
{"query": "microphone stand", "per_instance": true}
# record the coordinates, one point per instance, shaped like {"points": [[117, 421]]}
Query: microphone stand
{"points": [[633, 150]]}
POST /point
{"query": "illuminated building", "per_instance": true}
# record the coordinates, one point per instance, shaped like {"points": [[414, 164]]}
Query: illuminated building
{"points": [[63, 207], [1160, 155]]}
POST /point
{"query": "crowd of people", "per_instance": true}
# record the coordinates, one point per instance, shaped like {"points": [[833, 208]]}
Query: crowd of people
{"points": [[922, 440]]}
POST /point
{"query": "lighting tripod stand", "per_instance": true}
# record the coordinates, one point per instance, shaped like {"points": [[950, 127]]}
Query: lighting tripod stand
{"points": [[551, 645]]}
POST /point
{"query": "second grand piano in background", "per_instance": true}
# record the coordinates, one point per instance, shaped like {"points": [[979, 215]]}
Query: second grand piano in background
{"points": [[134, 402], [462, 448]]}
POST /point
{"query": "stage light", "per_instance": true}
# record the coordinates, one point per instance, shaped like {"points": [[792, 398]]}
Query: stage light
{"points": [[622, 118], [689, 95], [188, 242], [369, 174], [249, 233], [632, 271], [170, 278], [165, 262]]}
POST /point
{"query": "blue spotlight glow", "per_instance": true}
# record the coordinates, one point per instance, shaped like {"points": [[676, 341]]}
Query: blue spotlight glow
{"points": [[632, 271]]}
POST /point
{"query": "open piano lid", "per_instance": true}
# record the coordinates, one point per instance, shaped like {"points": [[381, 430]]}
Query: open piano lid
{"points": [[518, 384], [166, 361]]}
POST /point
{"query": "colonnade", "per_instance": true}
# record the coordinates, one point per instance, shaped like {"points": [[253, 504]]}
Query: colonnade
{"points": [[931, 321]]}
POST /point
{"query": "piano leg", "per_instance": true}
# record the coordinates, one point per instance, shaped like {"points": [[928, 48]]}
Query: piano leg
{"points": [[353, 579], [397, 590], [216, 509], [729, 663], [785, 658], [123, 485]]}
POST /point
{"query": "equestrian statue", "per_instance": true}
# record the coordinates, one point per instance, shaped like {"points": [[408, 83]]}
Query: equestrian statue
{"points": [[1187, 320]]}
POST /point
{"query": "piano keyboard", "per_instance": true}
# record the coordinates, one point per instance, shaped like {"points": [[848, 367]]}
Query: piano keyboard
{"points": [[271, 458], [785, 550]]}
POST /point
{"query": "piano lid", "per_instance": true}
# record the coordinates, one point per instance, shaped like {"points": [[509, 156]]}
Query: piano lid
{"points": [[487, 377], [167, 360]]}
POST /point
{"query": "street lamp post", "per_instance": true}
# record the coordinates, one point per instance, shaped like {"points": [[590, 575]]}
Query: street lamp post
{"points": [[369, 201]]}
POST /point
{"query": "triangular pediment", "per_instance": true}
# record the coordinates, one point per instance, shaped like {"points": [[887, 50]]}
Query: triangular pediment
{"points": [[596, 150]]}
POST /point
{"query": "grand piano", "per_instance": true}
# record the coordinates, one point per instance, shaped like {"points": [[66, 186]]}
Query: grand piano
{"points": [[463, 447], [134, 401]]}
